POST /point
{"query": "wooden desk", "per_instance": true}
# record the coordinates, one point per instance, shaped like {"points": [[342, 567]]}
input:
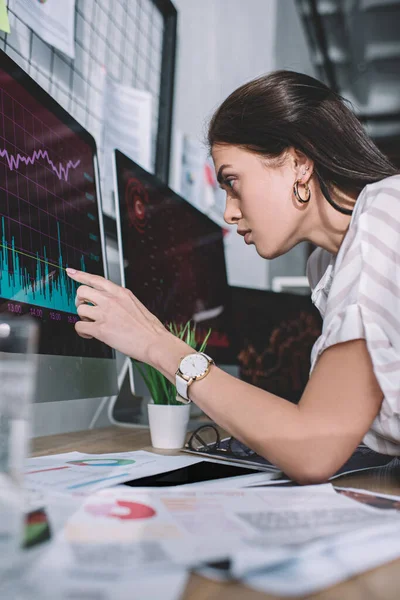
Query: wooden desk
{"points": [[379, 584]]}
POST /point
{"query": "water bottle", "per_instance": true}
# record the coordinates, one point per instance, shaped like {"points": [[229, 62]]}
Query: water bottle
{"points": [[18, 347]]}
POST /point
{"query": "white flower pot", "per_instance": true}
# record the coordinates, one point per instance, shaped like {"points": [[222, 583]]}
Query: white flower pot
{"points": [[168, 425]]}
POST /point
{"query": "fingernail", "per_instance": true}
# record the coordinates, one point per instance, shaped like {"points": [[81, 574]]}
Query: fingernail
{"points": [[71, 271]]}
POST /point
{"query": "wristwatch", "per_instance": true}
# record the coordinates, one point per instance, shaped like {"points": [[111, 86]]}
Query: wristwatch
{"points": [[191, 368]]}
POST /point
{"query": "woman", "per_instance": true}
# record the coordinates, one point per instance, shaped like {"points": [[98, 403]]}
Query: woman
{"points": [[296, 165]]}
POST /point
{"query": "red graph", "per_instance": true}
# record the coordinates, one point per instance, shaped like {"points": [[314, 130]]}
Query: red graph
{"points": [[121, 509], [48, 469]]}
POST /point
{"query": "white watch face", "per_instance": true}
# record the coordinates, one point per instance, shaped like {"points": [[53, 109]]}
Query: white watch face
{"points": [[194, 365]]}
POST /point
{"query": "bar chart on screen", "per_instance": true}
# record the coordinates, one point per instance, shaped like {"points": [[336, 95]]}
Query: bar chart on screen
{"points": [[45, 285]]}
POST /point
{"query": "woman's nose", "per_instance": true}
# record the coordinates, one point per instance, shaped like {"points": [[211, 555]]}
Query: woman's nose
{"points": [[232, 213]]}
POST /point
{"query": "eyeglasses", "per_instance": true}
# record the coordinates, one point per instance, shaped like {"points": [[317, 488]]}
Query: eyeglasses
{"points": [[207, 439]]}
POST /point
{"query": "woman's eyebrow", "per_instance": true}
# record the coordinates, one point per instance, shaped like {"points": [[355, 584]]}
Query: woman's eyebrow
{"points": [[219, 175]]}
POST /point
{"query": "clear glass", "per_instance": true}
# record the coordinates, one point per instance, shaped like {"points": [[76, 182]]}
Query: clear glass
{"points": [[18, 365]]}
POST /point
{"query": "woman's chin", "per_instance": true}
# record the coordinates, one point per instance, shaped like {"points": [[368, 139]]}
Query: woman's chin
{"points": [[269, 253]]}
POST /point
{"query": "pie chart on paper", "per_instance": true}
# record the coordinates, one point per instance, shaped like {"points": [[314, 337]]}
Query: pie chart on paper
{"points": [[122, 510]]}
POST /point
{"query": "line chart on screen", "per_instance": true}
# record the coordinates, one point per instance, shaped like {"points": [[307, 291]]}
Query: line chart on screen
{"points": [[61, 171]]}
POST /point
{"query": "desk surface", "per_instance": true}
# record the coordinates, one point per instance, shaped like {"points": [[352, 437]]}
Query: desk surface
{"points": [[379, 584]]}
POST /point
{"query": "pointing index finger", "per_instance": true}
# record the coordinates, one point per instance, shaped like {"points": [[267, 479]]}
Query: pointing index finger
{"points": [[95, 281]]}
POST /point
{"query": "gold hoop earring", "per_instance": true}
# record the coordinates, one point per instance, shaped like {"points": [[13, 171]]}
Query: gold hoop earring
{"points": [[297, 193]]}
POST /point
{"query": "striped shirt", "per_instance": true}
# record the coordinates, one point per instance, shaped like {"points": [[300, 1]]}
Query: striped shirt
{"points": [[358, 295]]}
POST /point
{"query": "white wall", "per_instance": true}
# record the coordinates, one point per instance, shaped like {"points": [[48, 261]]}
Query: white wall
{"points": [[224, 43], [221, 45], [291, 50]]}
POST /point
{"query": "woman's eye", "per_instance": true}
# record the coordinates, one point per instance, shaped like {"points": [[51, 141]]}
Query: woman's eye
{"points": [[229, 183]]}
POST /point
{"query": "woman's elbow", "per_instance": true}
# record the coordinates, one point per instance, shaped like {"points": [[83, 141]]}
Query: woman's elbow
{"points": [[309, 464], [311, 473], [311, 477]]}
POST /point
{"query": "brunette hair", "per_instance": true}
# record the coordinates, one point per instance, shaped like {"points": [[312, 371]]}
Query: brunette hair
{"points": [[284, 109]]}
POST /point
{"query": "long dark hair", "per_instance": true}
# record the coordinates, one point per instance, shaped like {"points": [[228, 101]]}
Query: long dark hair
{"points": [[284, 109]]}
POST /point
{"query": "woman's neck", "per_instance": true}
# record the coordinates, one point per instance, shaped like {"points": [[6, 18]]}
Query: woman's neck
{"points": [[329, 226]]}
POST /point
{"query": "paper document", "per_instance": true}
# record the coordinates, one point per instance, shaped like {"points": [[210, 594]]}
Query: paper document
{"points": [[4, 23], [128, 127], [53, 21], [192, 177], [77, 473], [149, 527], [316, 559], [45, 582], [313, 567], [274, 538]]}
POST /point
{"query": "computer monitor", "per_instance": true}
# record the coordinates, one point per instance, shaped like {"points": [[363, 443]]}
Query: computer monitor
{"points": [[172, 256], [273, 335], [50, 218]]}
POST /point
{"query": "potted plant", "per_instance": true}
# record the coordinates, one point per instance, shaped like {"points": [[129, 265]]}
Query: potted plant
{"points": [[168, 418]]}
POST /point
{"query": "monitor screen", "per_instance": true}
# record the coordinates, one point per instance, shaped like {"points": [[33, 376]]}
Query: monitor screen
{"points": [[173, 256], [273, 335], [49, 219]]}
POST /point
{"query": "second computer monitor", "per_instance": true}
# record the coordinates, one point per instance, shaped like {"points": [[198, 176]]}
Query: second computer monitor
{"points": [[173, 256]]}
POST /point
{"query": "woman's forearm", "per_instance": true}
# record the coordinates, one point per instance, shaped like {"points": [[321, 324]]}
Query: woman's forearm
{"points": [[270, 425]]}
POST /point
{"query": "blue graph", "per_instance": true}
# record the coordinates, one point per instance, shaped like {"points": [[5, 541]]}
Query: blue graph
{"points": [[46, 285]]}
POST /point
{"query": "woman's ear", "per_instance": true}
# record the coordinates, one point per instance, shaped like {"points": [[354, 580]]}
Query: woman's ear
{"points": [[302, 165]]}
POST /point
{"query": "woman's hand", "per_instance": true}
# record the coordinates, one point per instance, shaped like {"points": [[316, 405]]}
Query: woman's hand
{"points": [[115, 316]]}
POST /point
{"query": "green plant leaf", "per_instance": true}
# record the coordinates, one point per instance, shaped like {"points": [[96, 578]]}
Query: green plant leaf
{"points": [[189, 335], [204, 344], [143, 374], [165, 385], [150, 379]]}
